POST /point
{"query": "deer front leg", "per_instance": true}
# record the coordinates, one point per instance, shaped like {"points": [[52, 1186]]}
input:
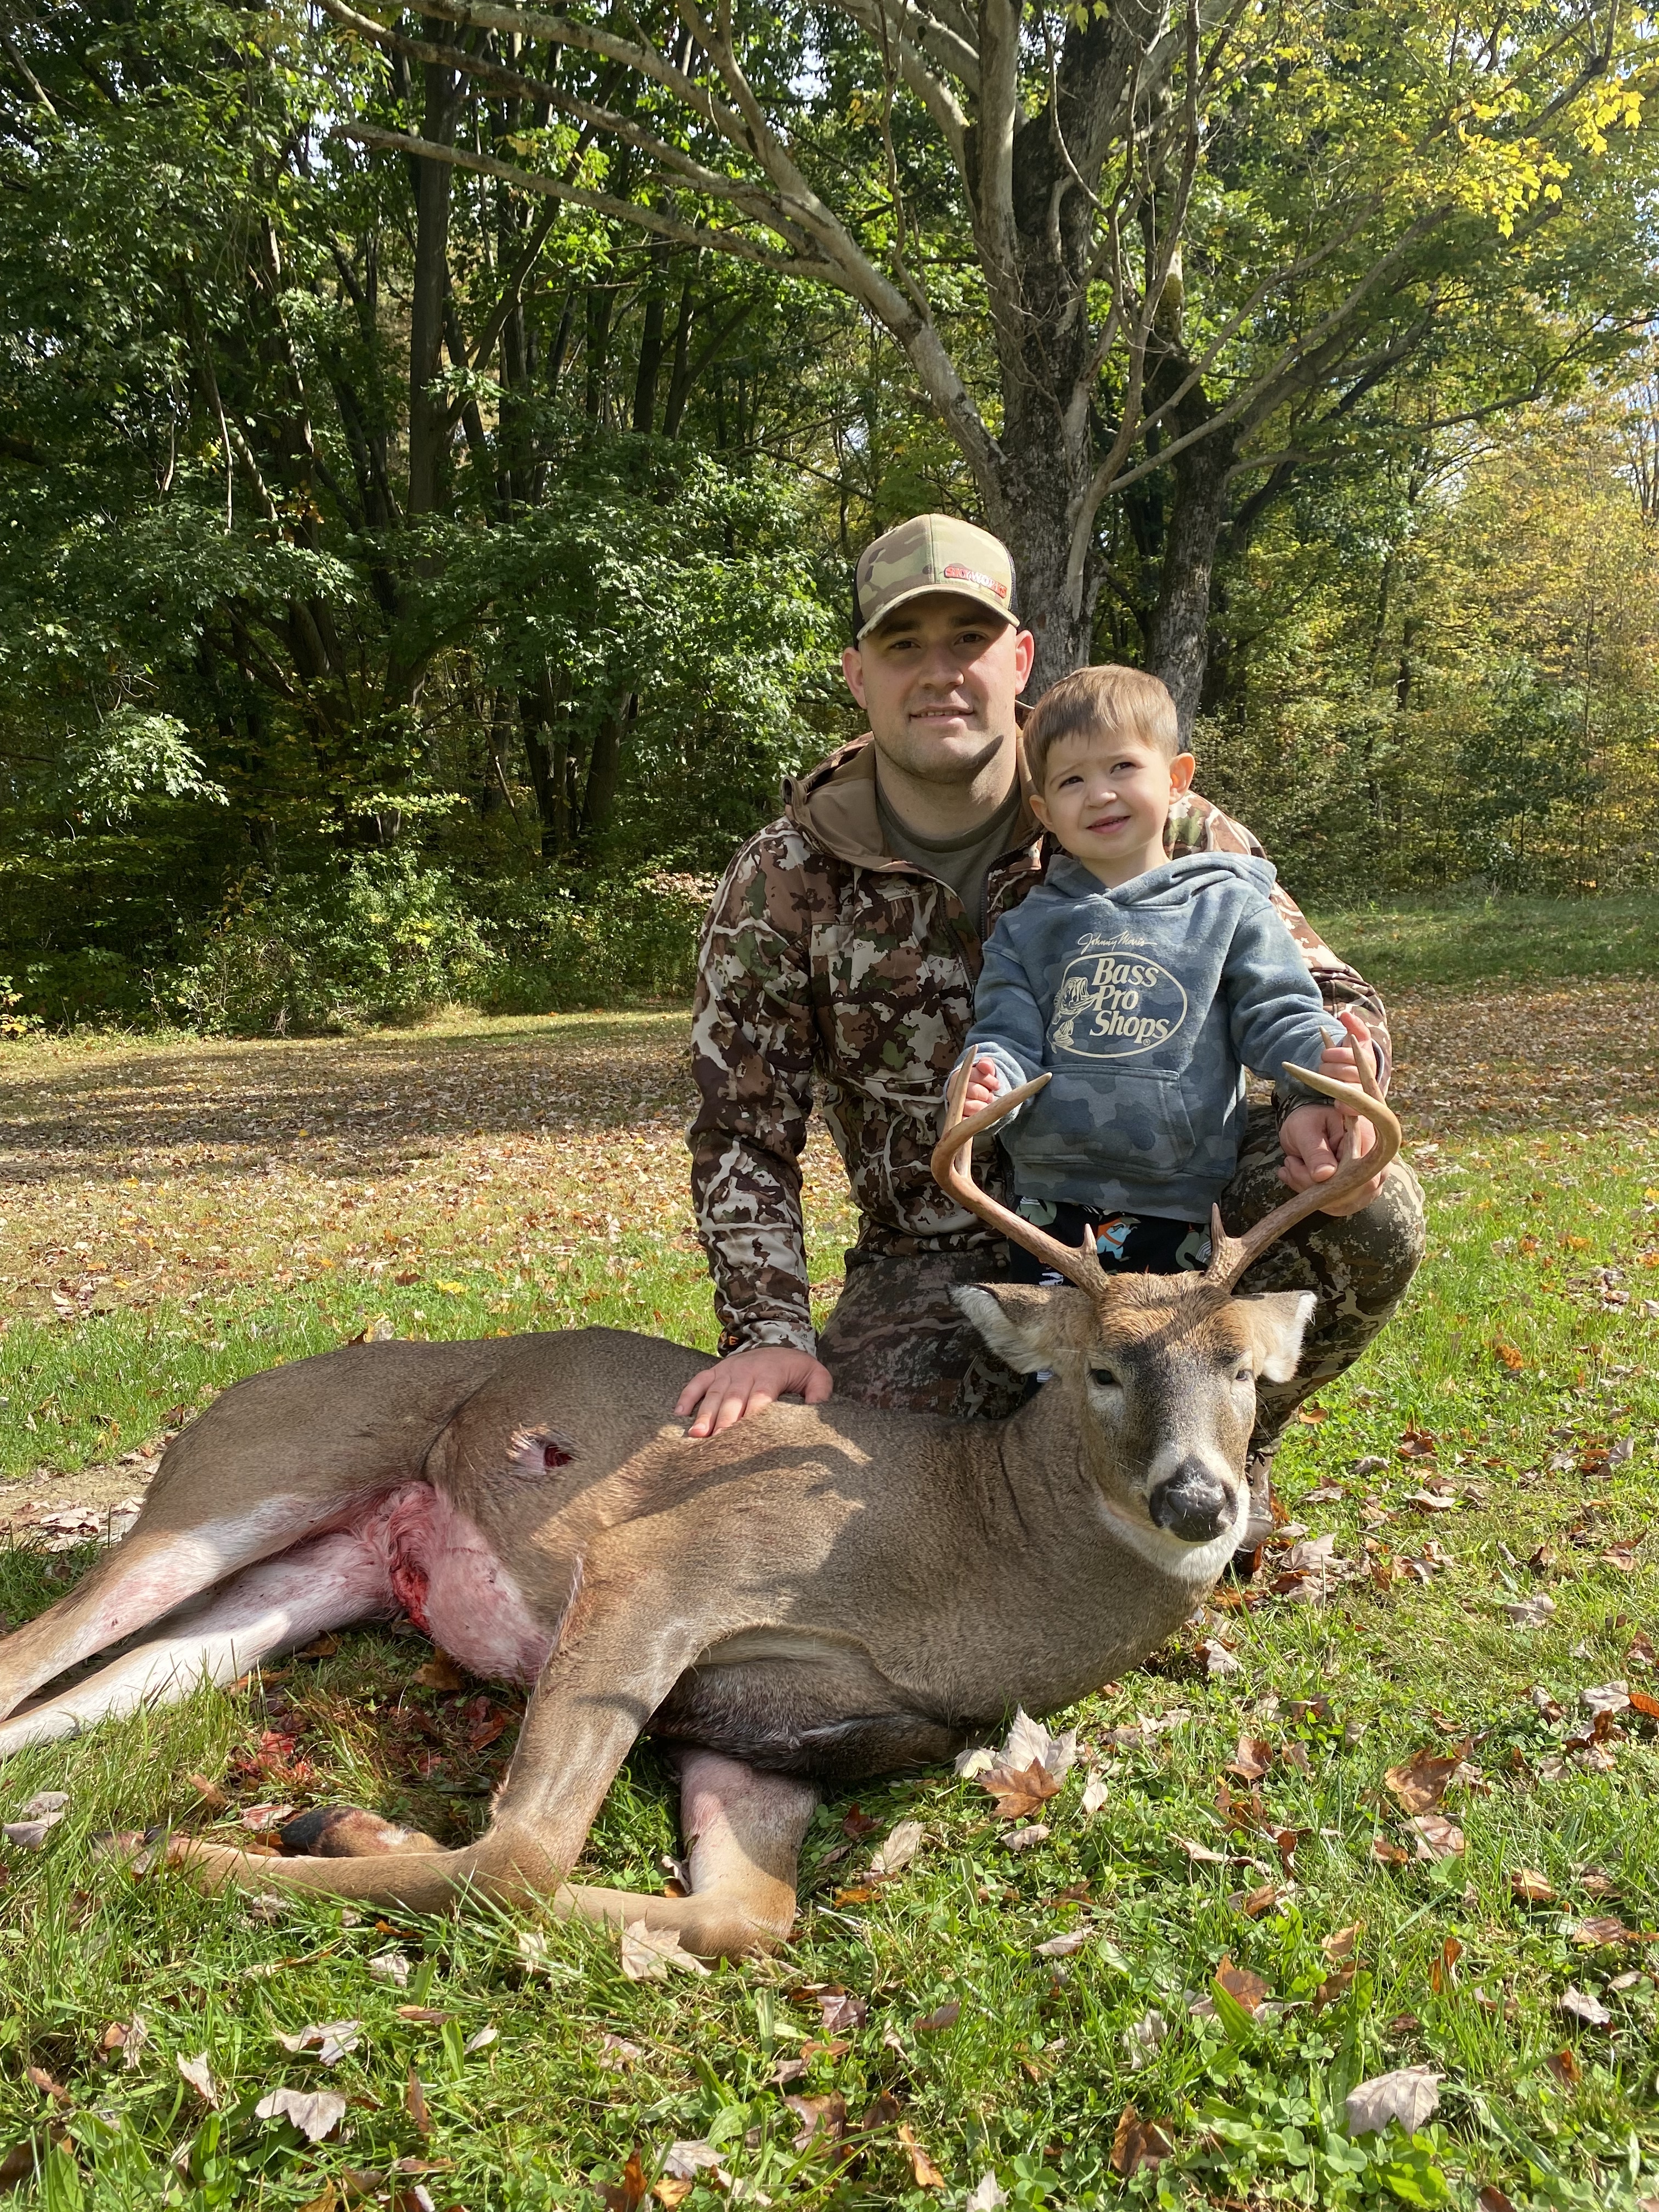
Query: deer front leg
{"points": [[615, 1661], [743, 1832]]}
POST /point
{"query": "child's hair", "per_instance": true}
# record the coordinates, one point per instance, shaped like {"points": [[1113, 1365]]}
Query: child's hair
{"points": [[1105, 702]]}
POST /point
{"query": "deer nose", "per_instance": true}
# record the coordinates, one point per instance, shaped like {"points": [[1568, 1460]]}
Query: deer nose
{"points": [[1194, 1503]]}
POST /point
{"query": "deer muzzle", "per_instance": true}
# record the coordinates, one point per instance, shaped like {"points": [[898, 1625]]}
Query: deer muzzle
{"points": [[1194, 1502]]}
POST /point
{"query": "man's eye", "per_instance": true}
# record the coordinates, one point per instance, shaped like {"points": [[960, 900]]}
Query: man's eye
{"points": [[1103, 1378]]}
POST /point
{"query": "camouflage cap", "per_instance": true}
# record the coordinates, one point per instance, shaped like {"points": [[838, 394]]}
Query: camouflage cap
{"points": [[931, 553]]}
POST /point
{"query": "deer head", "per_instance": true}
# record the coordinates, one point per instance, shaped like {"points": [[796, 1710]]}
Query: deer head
{"points": [[1160, 1371]]}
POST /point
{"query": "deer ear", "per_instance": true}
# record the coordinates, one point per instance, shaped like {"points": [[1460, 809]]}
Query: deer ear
{"points": [[1277, 1322], [1016, 1320]]}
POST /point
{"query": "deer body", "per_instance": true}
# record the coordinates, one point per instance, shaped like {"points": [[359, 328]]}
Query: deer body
{"points": [[816, 1594]]}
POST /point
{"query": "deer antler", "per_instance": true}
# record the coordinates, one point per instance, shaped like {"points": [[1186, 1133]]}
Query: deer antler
{"points": [[953, 1174], [1231, 1256]]}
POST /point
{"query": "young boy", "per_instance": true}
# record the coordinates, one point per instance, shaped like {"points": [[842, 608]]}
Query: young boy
{"points": [[1147, 985]]}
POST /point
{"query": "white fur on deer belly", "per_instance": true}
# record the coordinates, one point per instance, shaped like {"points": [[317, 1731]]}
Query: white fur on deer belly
{"points": [[448, 1579]]}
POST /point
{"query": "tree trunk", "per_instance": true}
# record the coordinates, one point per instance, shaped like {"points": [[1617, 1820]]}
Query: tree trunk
{"points": [[679, 381], [1178, 646], [653, 344], [427, 433], [604, 766]]}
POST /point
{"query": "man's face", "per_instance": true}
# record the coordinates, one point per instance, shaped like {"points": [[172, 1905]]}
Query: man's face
{"points": [[939, 680]]}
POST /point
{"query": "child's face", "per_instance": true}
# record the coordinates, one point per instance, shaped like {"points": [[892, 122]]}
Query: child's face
{"points": [[1106, 798]]}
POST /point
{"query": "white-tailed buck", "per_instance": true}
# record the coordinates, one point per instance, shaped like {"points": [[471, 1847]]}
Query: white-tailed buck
{"points": [[815, 1595]]}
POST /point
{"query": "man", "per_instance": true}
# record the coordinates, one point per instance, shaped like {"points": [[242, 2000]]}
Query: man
{"points": [[838, 968]]}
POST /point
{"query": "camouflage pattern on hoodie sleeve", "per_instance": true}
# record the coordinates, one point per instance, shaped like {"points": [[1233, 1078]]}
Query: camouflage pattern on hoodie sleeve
{"points": [[752, 1054], [1197, 826]]}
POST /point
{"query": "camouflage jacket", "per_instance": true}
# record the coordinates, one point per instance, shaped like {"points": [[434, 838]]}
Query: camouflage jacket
{"points": [[833, 975]]}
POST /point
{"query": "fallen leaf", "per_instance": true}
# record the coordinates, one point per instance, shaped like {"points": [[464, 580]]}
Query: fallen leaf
{"points": [[1334, 1987], [37, 1819], [210, 1792], [1566, 2068], [1029, 1741], [1143, 2037], [648, 1953], [1343, 1943], [440, 1673], [1137, 2142], [670, 2192], [690, 2156], [258, 1818], [841, 2011], [1437, 1837], [1200, 1854], [1019, 1792], [1253, 1903], [1252, 1756], [391, 1966], [1066, 1945], [1580, 2005], [1528, 1887], [1243, 1987], [824, 2120], [48, 2087], [427, 2015], [1544, 1705], [986, 2195], [1443, 1974], [332, 2040], [629, 2193], [1387, 1852], [1095, 1794], [1492, 2199], [858, 1824], [942, 2016], [1220, 1663], [926, 2174], [314, 2112], [1507, 1354], [1606, 1697], [901, 1846], [1410, 2095], [1532, 1612], [480, 2041], [1022, 1839], [978, 1759], [617, 2054], [1420, 1782], [199, 2075], [414, 2104], [1604, 1932]]}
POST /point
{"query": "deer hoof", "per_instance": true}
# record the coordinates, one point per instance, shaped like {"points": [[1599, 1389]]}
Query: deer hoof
{"points": [[347, 1832]]}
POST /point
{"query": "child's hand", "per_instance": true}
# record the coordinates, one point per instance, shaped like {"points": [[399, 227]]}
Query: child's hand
{"points": [[1340, 1062], [984, 1084]]}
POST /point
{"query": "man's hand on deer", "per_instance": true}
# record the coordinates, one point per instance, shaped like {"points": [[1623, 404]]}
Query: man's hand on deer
{"points": [[1316, 1140], [747, 1382]]}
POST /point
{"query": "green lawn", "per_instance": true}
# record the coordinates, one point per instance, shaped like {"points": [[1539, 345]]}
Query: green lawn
{"points": [[1526, 1353], [1402, 944]]}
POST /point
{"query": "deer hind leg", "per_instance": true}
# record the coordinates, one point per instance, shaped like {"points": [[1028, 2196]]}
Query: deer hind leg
{"points": [[614, 1663], [325, 1583], [155, 1570], [742, 1833]]}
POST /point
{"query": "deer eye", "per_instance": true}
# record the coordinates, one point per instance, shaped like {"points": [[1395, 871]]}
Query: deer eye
{"points": [[1244, 1372], [1103, 1379]]}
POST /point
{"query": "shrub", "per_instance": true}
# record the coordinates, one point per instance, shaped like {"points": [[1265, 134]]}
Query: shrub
{"points": [[593, 942], [379, 939]]}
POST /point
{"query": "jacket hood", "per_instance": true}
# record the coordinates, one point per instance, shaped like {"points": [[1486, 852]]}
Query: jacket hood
{"points": [[1171, 885], [835, 805]]}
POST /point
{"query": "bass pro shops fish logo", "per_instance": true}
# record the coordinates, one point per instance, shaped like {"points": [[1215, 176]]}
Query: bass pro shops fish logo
{"points": [[1111, 1006]]}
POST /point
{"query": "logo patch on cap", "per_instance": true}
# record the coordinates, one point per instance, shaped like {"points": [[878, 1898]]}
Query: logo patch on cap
{"points": [[956, 573]]}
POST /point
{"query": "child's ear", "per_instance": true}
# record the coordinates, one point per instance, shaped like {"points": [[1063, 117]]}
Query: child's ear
{"points": [[1040, 808], [1181, 773]]}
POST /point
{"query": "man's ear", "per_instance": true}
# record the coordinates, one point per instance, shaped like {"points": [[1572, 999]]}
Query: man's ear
{"points": [[1016, 1320], [1277, 1322]]}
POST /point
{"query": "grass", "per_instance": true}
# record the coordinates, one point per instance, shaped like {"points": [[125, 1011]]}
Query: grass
{"points": [[1516, 1354], [1408, 942]]}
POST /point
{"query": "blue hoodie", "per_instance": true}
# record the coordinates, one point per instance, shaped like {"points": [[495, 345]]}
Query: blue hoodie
{"points": [[1148, 1003]]}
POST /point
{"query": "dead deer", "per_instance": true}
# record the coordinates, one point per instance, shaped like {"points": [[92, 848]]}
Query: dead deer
{"points": [[815, 1596]]}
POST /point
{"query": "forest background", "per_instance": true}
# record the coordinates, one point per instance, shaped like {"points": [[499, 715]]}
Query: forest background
{"points": [[433, 446]]}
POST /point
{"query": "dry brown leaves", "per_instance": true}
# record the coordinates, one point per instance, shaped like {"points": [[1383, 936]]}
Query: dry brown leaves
{"points": [[1419, 1783], [1541, 1057]]}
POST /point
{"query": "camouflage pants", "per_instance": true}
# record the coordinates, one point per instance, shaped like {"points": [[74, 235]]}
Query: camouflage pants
{"points": [[895, 1339]]}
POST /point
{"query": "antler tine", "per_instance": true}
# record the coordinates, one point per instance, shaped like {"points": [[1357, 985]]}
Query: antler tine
{"points": [[953, 1175], [1231, 1256]]}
